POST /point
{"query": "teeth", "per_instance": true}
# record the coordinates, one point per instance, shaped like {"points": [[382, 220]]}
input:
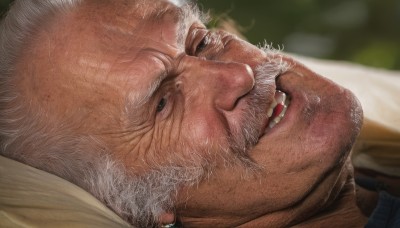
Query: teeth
{"points": [[282, 100], [280, 97], [270, 111], [272, 124]]}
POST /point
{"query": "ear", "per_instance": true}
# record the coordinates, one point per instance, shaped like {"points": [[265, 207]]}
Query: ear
{"points": [[167, 218]]}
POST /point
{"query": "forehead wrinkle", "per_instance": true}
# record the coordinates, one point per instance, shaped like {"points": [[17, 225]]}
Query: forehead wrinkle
{"points": [[184, 17]]}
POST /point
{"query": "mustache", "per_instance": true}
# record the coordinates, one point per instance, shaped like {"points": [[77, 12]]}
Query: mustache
{"points": [[246, 135]]}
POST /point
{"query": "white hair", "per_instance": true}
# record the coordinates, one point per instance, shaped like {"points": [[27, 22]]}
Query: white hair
{"points": [[141, 201], [29, 135], [178, 3], [19, 26]]}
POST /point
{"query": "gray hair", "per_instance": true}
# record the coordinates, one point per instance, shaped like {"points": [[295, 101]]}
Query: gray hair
{"points": [[29, 135]]}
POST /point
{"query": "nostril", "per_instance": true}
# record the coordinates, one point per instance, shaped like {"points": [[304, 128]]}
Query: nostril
{"points": [[238, 100]]}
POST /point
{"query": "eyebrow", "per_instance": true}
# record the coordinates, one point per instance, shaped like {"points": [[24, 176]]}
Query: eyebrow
{"points": [[136, 100], [189, 13], [185, 17]]}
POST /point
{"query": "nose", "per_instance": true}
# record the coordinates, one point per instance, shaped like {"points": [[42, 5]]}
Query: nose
{"points": [[233, 81], [225, 82]]}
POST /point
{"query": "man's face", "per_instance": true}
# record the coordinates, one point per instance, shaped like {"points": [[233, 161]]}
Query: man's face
{"points": [[160, 90]]}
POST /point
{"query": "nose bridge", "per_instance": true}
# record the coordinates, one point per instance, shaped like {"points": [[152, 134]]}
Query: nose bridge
{"points": [[224, 82], [237, 50]]}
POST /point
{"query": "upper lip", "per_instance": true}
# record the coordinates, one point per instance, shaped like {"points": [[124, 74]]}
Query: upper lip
{"points": [[266, 120]]}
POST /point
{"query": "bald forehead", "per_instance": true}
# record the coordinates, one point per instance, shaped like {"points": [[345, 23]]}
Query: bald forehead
{"points": [[103, 27], [138, 9], [126, 15]]}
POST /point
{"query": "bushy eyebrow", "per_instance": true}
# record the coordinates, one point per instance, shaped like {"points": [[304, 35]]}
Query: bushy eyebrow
{"points": [[136, 101], [189, 13], [184, 16]]}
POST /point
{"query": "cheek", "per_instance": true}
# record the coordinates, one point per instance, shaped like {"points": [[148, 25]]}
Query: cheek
{"points": [[288, 154], [201, 122], [204, 128], [190, 136]]}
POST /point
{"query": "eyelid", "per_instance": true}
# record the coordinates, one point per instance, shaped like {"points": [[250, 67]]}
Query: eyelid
{"points": [[168, 90], [196, 37], [205, 40], [168, 106]]}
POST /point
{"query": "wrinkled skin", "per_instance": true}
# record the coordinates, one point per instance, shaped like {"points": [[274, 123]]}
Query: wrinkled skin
{"points": [[203, 97]]}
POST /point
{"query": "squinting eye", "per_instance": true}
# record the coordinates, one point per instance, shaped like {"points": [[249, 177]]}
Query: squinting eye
{"points": [[161, 105], [202, 45]]}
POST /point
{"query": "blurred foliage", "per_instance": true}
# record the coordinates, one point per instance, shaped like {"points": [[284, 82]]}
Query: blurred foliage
{"points": [[4, 5], [363, 31]]}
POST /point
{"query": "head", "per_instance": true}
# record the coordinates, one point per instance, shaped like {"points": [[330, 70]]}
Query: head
{"points": [[162, 119]]}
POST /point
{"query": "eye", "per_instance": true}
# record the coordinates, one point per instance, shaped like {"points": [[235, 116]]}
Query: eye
{"points": [[161, 105], [202, 45]]}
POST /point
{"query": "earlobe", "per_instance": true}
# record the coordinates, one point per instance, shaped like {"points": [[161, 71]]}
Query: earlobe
{"points": [[167, 220]]}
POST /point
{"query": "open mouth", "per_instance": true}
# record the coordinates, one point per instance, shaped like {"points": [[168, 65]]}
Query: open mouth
{"points": [[277, 110]]}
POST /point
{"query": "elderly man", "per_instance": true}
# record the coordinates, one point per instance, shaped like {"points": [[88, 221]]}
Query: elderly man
{"points": [[165, 121]]}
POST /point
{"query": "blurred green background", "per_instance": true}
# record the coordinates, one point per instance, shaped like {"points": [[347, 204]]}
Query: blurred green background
{"points": [[362, 31]]}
